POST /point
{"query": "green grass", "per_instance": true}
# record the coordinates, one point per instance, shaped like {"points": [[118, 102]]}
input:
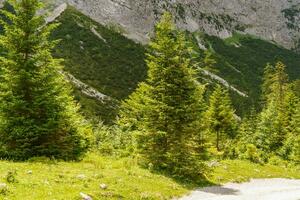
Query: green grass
{"points": [[60, 180], [241, 171], [50, 180]]}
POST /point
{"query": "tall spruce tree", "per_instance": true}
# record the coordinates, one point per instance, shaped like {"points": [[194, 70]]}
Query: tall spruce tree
{"points": [[280, 103], [248, 127], [222, 122], [291, 148], [38, 114], [294, 137], [166, 109]]}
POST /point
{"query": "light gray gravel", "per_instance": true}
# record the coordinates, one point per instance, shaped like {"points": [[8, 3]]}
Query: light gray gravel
{"points": [[257, 189]]}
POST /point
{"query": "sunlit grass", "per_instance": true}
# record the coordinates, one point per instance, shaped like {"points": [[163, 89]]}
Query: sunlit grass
{"points": [[241, 171], [65, 180], [42, 179]]}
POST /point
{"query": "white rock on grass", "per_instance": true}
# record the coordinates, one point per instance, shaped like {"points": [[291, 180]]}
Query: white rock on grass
{"points": [[85, 196], [81, 176], [103, 186]]}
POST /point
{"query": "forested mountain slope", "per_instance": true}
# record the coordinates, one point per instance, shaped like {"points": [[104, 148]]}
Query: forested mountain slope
{"points": [[102, 58]]}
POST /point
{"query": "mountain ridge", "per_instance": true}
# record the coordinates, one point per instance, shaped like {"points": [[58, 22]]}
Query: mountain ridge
{"points": [[273, 20]]}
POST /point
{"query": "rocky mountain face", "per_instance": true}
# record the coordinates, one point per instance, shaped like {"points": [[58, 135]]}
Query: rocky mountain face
{"points": [[273, 20]]}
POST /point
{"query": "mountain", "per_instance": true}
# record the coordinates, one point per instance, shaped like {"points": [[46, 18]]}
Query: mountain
{"points": [[104, 59], [273, 20], [103, 44]]}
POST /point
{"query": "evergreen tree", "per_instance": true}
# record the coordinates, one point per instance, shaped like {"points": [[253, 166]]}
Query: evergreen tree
{"points": [[209, 62], [38, 114], [268, 80], [221, 117], [268, 132], [248, 127], [296, 87], [295, 136], [291, 148], [275, 119], [166, 109]]}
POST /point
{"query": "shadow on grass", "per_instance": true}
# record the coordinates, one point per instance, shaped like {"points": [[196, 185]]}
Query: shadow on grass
{"points": [[219, 190], [202, 182]]}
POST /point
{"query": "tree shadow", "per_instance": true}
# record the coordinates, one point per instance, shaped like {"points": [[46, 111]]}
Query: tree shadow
{"points": [[187, 183], [219, 190], [201, 185]]}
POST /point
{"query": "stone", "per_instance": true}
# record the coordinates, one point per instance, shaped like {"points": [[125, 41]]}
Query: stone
{"points": [[213, 163], [85, 196], [103, 186], [81, 176]]}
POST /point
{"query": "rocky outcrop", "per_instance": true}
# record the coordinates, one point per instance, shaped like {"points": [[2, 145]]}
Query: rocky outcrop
{"points": [[275, 20]]}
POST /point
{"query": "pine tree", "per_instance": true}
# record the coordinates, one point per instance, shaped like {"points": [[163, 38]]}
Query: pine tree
{"points": [[295, 136], [268, 132], [166, 109], [209, 62], [248, 127], [268, 80], [221, 117], [291, 148], [279, 106], [38, 114]]}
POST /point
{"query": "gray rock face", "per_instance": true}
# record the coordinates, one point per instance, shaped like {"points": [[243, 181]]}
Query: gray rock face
{"points": [[275, 20]]}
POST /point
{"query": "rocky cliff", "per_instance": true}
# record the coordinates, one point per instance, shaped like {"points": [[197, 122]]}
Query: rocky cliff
{"points": [[274, 20]]}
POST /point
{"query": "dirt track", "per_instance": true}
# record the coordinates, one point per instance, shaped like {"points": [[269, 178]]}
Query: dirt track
{"points": [[258, 189]]}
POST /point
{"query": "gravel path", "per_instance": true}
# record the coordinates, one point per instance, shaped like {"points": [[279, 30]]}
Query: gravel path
{"points": [[257, 189]]}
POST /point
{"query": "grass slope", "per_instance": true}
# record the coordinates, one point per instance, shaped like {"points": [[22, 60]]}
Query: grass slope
{"points": [[114, 65], [242, 171], [65, 181], [48, 180], [241, 60]]}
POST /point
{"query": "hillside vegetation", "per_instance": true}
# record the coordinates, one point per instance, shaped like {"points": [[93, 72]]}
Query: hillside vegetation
{"points": [[114, 65]]}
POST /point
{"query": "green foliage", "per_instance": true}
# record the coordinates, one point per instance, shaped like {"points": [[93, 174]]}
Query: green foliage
{"points": [[166, 108], [112, 64], [11, 176], [280, 105], [38, 114], [248, 127], [251, 153], [112, 141], [291, 148], [220, 117], [241, 59]]}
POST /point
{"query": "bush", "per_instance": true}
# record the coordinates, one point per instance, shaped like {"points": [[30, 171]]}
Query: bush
{"points": [[276, 160], [252, 153], [291, 149], [113, 141]]}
